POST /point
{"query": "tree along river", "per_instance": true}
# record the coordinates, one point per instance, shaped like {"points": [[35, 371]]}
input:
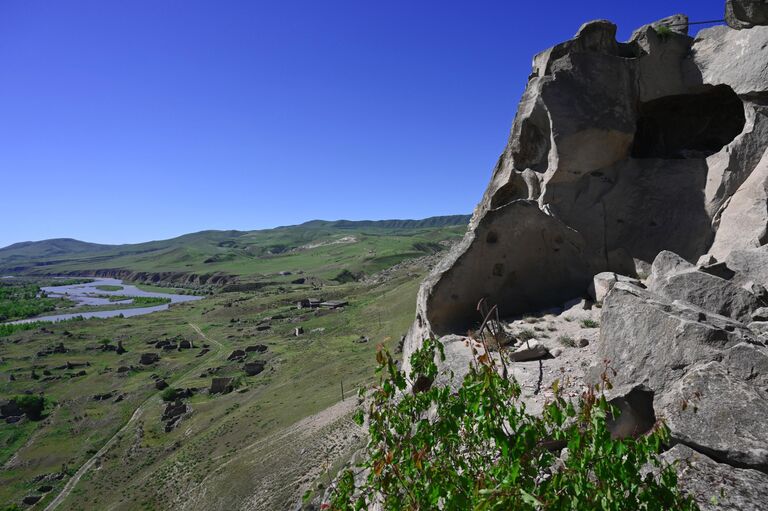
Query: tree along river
{"points": [[88, 294]]}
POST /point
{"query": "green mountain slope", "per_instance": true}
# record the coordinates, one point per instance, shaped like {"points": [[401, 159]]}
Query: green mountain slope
{"points": [[318, 248]]}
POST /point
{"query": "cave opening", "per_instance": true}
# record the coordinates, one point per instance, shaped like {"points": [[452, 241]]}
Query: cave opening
{"points": [[688, 125]]}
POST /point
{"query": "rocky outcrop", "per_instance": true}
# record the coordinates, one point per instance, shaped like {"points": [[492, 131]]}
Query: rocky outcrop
{"points": [[746, 13], [618, 151], [704, 478], [179, 278], [627, 163]]}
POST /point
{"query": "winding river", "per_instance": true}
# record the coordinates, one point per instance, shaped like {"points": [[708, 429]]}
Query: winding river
{"points": [[88, 294]]}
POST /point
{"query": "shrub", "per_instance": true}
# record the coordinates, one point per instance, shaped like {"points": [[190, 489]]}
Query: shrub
{"points": [[526, 335], [589, 323], [169, 394], [477, 448], [663, 32], [32, 406], [566, 340], [345, 276]]}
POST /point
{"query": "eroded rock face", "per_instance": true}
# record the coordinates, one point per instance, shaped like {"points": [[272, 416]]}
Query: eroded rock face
{"points": [[746, 13], [618, 152], [624, 159]]}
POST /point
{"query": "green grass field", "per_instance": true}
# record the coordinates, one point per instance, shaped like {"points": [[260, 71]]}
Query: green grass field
{"points": [[147, 468]]}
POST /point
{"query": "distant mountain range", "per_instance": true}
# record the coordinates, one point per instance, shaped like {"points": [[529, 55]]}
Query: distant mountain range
{"points": [[364, 245]]}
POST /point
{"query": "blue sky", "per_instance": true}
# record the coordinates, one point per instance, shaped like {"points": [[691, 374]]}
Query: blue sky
{"points": [[139, 120]]}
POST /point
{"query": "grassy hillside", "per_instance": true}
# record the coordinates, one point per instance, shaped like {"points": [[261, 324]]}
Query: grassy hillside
{"points": [[319, 248], [214, 458], [102, 443]]}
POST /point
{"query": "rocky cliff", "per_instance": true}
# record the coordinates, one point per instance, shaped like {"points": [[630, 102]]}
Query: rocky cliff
{"points": [[648, 159]]}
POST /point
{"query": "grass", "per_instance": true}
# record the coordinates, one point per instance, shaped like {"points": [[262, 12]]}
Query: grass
{"points": [[107, 287], [160, 289], [526, 334], [589, 323], [151, 466], [566, 341]]}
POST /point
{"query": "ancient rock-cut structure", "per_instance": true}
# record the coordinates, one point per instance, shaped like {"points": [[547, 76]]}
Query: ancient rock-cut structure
{"points": [[641, 158]]}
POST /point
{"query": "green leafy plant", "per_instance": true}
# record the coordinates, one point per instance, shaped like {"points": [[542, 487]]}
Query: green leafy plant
{"points": [[432, 447], [169, 394], [567, 341], [663, 31], [589, 323]]}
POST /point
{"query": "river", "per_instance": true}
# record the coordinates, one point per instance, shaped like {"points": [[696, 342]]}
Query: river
{"points": [[88, 294]]}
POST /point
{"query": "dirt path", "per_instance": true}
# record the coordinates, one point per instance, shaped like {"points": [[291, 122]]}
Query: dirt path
{"points": [[65, 492]]}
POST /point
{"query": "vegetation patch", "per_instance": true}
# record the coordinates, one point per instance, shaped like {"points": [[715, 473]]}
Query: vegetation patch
{"points": [[108, 287], [477, 448], [21, 301]]}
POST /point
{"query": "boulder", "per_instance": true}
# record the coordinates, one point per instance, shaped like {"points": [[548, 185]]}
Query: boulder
{"points": [[717, 486], [185, 345], [702, 408], [652, 341], [148, 359], [298, 331], [604, 281], [31, 499], [740, 14], [601, 284], [161, 384], [749, 265], [676, 279], [530, 350], [256, 348]]}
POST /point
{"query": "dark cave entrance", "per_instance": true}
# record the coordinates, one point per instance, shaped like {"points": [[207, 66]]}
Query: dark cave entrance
{"points": [[688, 125]]}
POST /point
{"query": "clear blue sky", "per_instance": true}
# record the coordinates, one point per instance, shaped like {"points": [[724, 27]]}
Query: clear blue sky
{"points": [[125, 121]]}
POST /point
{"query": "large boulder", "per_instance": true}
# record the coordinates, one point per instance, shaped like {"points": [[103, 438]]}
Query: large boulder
{"points": [[652, 341], [705, 408], [706, 372], [676, 279]]}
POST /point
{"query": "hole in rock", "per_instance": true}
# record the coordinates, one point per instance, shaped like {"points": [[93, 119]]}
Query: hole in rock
{"points": [[688, 125], [514, 189], [636, 415]]}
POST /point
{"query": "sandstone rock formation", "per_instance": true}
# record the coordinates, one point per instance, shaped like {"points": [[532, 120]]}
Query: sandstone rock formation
{"points": [[639, 170]]}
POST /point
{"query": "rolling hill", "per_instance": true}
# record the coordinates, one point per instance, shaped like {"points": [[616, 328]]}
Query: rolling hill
{"points": [[318, 248]]}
